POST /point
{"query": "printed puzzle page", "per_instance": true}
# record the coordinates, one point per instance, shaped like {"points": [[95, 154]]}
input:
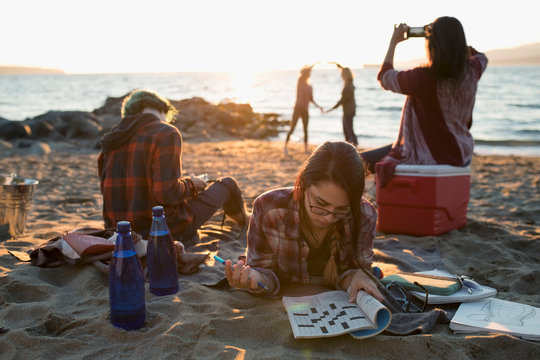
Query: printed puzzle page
{"points": [[323, 315]]}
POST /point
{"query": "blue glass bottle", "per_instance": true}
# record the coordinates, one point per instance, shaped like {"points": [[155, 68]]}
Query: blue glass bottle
{"points": [[126, 282], [161, 256]]}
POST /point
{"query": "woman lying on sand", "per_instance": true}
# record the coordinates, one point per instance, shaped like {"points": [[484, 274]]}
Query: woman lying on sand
{"points": [[319, 231]]}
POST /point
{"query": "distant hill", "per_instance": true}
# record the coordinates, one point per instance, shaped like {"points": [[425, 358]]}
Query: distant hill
{"points": [[23, 70], [520, 55]]}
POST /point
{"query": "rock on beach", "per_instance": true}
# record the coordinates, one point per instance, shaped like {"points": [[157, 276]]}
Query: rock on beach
{"points": [[196, 118]]}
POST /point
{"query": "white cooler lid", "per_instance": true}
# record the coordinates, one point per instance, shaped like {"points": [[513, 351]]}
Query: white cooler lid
{"points": [[431, 170]]}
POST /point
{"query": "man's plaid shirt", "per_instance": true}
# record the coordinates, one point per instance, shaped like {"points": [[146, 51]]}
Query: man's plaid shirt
{"points": [[145, 172]]}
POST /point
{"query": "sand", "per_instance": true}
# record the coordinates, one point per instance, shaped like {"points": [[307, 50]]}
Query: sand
{"points": [[63, 312]]}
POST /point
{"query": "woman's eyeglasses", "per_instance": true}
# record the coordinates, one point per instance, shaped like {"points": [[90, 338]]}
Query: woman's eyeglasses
{"points": [[405, 299], [323, 212]]}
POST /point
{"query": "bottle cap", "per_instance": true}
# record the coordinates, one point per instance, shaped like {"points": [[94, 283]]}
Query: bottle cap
{"points": [[123, 226], [157, 211], [375, 270]]}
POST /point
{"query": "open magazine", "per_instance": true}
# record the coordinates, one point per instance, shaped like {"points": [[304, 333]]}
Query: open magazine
{"points": [[331, 314]]}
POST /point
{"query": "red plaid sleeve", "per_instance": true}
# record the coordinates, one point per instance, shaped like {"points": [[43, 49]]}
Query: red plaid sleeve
{"points": [[367, 233], [167, 186]]}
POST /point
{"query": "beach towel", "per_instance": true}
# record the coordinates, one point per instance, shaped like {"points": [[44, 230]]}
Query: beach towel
{"points": [[226, 243], [406, 258]]}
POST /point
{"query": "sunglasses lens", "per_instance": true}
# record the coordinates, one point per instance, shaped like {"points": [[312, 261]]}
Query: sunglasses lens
{"points": [[404, 299], [399, 295], [396, 291]]}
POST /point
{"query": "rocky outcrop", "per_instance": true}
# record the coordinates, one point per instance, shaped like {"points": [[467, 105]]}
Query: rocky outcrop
{"points": [[196, 119], [5, 146], [66, 124], [11, 130]]}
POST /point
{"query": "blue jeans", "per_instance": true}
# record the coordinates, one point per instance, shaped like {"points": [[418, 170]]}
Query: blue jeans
{"points": [[223, 193]]}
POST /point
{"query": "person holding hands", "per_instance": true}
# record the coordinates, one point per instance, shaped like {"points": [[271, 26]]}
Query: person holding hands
{"points": [[304, 96], [348, 103]]}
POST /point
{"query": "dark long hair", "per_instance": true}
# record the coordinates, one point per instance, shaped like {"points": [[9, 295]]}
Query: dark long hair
{"points": [[339, 163], [447, 48]]}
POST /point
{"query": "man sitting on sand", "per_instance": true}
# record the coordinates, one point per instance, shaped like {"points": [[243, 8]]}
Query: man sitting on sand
{"points": [[140, 167]]}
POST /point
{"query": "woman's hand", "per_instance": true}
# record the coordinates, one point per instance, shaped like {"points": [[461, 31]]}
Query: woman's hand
{"points": [[361, 281], [242, 276], [399, 33]]}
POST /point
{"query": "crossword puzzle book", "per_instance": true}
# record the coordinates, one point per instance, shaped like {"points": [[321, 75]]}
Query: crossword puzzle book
{"points": [[331, 314]]}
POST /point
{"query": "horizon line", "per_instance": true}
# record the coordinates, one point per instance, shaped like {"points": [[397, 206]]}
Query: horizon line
{"points": [[35, 70]]}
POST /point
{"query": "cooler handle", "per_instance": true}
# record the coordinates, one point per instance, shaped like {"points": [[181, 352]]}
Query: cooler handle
{"points": [[405, 183]]}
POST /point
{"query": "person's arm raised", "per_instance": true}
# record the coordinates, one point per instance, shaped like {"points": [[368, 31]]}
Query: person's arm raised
{"points": [[397, 37]]}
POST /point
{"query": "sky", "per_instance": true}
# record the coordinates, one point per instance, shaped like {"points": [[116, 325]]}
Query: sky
{"points": [[103, 36]]}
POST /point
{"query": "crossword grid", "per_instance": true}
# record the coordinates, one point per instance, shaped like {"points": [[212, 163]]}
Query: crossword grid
{"points": [[327, 318]]}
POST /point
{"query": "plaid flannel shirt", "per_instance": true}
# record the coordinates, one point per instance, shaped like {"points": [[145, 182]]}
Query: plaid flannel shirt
{"points": [[145, 172], [276, 249]]}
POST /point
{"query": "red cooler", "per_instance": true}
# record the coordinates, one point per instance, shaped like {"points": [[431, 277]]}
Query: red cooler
{"points": [[424, 200]]}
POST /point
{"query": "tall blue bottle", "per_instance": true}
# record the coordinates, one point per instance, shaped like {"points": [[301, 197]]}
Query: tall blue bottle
{"points": [[161, 256], [126, 282]]}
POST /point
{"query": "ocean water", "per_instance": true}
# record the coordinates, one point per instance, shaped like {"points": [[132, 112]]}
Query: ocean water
{"points": [[506, 118]]}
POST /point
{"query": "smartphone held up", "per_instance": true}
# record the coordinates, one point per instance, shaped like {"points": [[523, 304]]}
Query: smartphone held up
{"points": [[417, 31]]}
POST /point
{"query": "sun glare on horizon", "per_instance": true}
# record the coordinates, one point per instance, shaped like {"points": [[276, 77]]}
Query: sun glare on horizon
{"points": [[240, 37], [242, 81]]}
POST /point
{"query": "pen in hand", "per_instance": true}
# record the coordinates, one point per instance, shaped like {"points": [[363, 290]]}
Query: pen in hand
{"points": [[258, 282]]}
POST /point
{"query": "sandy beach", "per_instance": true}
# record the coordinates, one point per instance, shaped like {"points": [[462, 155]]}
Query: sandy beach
{"points": [[63, 312]]}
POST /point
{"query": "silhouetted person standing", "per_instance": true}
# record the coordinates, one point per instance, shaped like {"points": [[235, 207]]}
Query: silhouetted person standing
{"points": [[304, 96]]}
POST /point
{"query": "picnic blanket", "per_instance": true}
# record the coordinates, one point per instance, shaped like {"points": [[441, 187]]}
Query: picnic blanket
{"points": [[62, 250]]}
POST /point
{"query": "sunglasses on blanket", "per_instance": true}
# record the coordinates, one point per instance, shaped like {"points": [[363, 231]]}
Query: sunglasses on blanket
{"points": [[405, 299]]}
